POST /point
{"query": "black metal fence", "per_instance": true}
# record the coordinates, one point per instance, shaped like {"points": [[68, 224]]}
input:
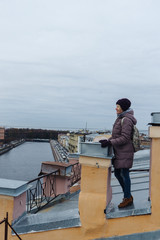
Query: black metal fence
{"points": [[75, 174], [137, 170], [5, 221], [42, 192]]}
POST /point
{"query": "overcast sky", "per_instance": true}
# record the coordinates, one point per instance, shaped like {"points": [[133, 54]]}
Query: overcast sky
{"points": [[65, 63]]}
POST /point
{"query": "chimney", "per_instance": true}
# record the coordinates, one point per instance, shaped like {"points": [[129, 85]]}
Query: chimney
{"points": [[154, 134]]}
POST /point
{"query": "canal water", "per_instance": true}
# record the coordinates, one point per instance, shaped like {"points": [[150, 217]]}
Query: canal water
{"points": [[24, 161]]}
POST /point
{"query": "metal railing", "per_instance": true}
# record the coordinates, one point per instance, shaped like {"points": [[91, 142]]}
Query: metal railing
{"points": [[75, 174], [42, 192], [44, 188], [137, 170], [5, 220]]}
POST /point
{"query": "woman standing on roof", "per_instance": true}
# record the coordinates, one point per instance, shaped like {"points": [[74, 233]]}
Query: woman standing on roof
{"points": [[121, 141]]}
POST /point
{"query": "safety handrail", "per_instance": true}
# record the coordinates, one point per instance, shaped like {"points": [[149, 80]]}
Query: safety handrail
{"points": [[36, 195], [137, 170]]}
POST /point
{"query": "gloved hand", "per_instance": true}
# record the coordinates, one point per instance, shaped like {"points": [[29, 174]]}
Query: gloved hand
{"points": [[105, 143]]}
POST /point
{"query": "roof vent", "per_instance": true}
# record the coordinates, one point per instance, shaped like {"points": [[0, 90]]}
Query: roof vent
{"points": [[155, 119], [94, 149]]}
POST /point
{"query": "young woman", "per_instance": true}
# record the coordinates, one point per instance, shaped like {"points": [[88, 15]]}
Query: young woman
{"points": [[121, 141]]}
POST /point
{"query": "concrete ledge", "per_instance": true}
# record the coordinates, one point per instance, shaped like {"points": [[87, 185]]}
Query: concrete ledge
{"points": [[137, 236], [12, 187], [46, 226], [143, 208]]}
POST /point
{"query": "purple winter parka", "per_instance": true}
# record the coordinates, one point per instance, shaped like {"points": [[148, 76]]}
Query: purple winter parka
{"points": [[121, 140]]}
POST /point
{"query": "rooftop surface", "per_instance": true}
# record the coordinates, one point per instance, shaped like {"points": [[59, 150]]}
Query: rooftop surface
{"points": [[139, 188], [65, 212]]}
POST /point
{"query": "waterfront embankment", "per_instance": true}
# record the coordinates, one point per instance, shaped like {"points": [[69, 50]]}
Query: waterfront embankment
{"points": [[24, 162], [7, 147]]}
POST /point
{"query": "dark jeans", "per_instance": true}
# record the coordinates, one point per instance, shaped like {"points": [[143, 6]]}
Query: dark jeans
{"points": [[123, 177]]}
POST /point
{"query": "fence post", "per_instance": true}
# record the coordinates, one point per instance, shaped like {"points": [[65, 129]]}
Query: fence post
{"points": [[6, 227]]}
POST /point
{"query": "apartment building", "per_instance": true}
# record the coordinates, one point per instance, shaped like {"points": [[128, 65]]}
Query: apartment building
{"points": [[2, 131], [74, 141]]}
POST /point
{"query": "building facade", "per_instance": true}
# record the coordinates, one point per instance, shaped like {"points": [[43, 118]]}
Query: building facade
{"points": [[2, 132], [74, 141]]}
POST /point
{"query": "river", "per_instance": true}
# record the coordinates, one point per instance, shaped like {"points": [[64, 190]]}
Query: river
{"points": [[24, 161]]}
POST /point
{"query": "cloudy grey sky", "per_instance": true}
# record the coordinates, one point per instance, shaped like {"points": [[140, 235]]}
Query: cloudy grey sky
{"points": [[66, 62]]}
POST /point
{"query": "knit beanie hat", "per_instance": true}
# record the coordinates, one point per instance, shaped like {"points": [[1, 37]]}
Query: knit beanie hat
{"points": [[124, 103]]}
